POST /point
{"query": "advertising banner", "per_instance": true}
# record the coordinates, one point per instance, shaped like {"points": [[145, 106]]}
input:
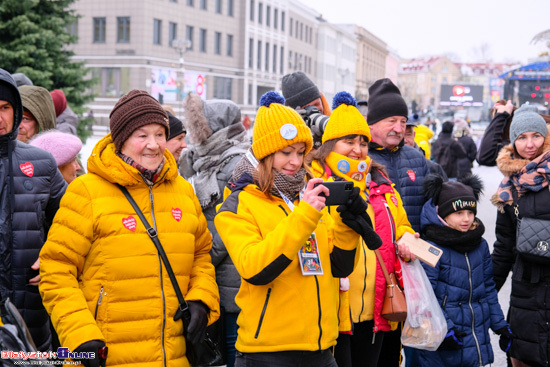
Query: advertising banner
{"points": [[461, 95]]}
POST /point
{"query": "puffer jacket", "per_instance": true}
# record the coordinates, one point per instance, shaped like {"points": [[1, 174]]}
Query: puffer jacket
{"points": [[406, 169], [31, 188], [464, 287], [102, 277], [529, 298], [368, 288], [281, 309]]}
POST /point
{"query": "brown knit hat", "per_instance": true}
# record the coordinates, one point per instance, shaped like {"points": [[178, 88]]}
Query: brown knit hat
{"points": [[136, 109]]}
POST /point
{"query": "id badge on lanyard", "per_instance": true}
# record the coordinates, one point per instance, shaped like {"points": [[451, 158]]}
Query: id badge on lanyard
{"points": [[310, 259]]}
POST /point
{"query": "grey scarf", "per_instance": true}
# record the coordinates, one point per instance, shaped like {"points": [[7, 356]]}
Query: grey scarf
{"points": [[203, 162]]}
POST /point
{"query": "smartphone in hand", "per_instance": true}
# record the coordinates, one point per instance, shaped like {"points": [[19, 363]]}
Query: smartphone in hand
{"points": [[339, 191]]}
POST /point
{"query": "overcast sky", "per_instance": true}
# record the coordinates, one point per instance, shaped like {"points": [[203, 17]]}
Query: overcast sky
{"points": [[430, 27]]}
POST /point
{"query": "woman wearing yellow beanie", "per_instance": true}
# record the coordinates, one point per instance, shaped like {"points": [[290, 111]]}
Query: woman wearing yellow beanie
{"points": [[287, 248], [343, 156]]}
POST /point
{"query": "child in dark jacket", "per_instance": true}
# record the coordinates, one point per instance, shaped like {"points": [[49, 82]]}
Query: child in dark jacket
{"points": [[463, 278]]}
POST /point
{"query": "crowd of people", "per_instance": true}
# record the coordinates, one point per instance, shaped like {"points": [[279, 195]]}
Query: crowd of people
{"points": [[96, 255]]}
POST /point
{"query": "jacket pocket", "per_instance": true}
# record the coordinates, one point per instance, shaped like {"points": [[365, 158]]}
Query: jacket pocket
{"points": [[99, 302], [263, 313]]}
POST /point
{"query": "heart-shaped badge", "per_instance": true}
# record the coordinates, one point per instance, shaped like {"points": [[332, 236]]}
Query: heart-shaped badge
{"points": [[176, 213], [129, 223], [27, 168]]}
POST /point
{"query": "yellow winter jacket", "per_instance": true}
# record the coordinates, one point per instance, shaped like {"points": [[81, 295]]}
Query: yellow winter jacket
{"points": [[101, 274], [281, 309], [422, 138]]}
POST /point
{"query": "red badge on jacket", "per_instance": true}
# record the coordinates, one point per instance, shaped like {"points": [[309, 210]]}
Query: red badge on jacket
{"points": [[27, 168], [411, 174], [394, 200], [129, 223], [176, 213]]}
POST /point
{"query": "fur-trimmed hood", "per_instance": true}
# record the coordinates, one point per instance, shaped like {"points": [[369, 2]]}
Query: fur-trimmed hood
{"points": [[204, 118]]}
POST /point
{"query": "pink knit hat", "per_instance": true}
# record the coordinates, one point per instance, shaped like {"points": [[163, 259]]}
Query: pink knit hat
{"points": [[64, 147]]}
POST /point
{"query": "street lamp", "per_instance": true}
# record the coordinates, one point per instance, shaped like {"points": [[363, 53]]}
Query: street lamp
{"points": [[182, 46]]}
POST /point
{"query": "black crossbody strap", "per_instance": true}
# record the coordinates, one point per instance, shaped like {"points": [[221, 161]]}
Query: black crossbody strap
{"points": [[183, 307]]}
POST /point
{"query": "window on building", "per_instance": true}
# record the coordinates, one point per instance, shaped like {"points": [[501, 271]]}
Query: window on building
{"points": [[282, 21], [157, 31], [73, 28], [252, 10], [189, 36], [291, 23], [219, 6], [173, 1], [229, 45], [281, 60], [202, 40], [222, 88], [274, 58], [250, 52], [172, 32], [268, 15], [230, 6], [289, 60], [296, 29], [113, 82], [249, 94], [123, 30], [275, 16], [204, 5], [310, 35], [301, 31], [259, 60], [267, 56], [99, 30], [260, 12], [217, 43], [190, 3]]}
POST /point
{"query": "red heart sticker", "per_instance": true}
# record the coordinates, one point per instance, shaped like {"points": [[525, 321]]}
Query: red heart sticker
{"points": [[394, 200], [176, 213], [27, 168], [412, 175], [129, 223]]}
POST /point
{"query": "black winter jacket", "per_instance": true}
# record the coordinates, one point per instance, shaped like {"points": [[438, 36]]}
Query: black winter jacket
{"points": [[465, 163], [31, 188], [407, 168], [446, 151], [494, 138], [529, 313]]}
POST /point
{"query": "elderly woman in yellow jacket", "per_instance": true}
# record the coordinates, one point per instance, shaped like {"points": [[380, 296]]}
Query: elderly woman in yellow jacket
{"points": [[103, 282], [344, 156], [286, 247]]}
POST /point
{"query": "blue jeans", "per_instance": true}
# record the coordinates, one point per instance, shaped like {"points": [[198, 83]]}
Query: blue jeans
{"points": [[292, 358], [231, 329]]}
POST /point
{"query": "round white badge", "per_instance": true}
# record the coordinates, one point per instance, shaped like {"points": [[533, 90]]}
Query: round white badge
{"points": [[362, 167], [288, 131]]}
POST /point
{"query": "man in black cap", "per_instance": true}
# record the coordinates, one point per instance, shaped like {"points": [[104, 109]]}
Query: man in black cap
{"points": [[31, 188]]}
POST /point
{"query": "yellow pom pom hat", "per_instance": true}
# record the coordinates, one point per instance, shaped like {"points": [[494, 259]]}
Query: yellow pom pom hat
{"points": [[345, 119], [277, 127]]}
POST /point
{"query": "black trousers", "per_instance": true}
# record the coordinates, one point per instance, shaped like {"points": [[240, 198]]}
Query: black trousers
{"points": [[362, 349]]}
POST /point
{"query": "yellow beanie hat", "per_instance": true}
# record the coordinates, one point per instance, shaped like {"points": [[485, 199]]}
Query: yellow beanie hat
{"points": [[277, 126], [345, 119]]}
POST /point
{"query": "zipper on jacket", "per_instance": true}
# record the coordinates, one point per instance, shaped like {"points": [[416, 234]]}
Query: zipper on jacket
{"points": [[472, 310], [364, 281], [444, 303], [161, 280], [99, 302], [263, 313], [320, 313]]}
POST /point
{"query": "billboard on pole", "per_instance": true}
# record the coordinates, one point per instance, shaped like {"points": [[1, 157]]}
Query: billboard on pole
{"points": [[461, 95]]}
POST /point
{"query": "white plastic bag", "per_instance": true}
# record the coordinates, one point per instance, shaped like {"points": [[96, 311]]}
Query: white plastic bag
{"points": [[425, 326]]}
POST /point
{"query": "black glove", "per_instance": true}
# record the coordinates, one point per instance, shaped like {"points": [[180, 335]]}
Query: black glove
{"points": [[354, 215], [199, 320], [506, 337], [453, 340], [356, 205], [92, 346]]}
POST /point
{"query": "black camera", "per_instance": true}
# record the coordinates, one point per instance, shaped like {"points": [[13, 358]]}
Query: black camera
{"points": [[316, 122]]}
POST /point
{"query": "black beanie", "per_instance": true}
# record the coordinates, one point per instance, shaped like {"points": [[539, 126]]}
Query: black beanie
{"points": [[385, 100], [176, 126], [7, 93], [299, 90], [453, 196], [447, 127]]}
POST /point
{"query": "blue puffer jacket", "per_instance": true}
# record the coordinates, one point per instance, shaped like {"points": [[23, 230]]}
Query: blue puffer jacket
{"points": [[31, 188], [407, 168], [464, 287]]}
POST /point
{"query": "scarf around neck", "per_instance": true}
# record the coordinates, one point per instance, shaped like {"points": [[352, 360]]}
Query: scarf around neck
{"points": [[457, 240], [534, 176], [150, 176], [350, 169], [290, 186]]}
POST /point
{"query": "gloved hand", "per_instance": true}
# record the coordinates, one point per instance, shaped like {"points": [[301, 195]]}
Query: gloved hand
{"points": [[199, 320], [354, 215], [355, 205], [506, 337], [453, 339], [92, 346]]}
